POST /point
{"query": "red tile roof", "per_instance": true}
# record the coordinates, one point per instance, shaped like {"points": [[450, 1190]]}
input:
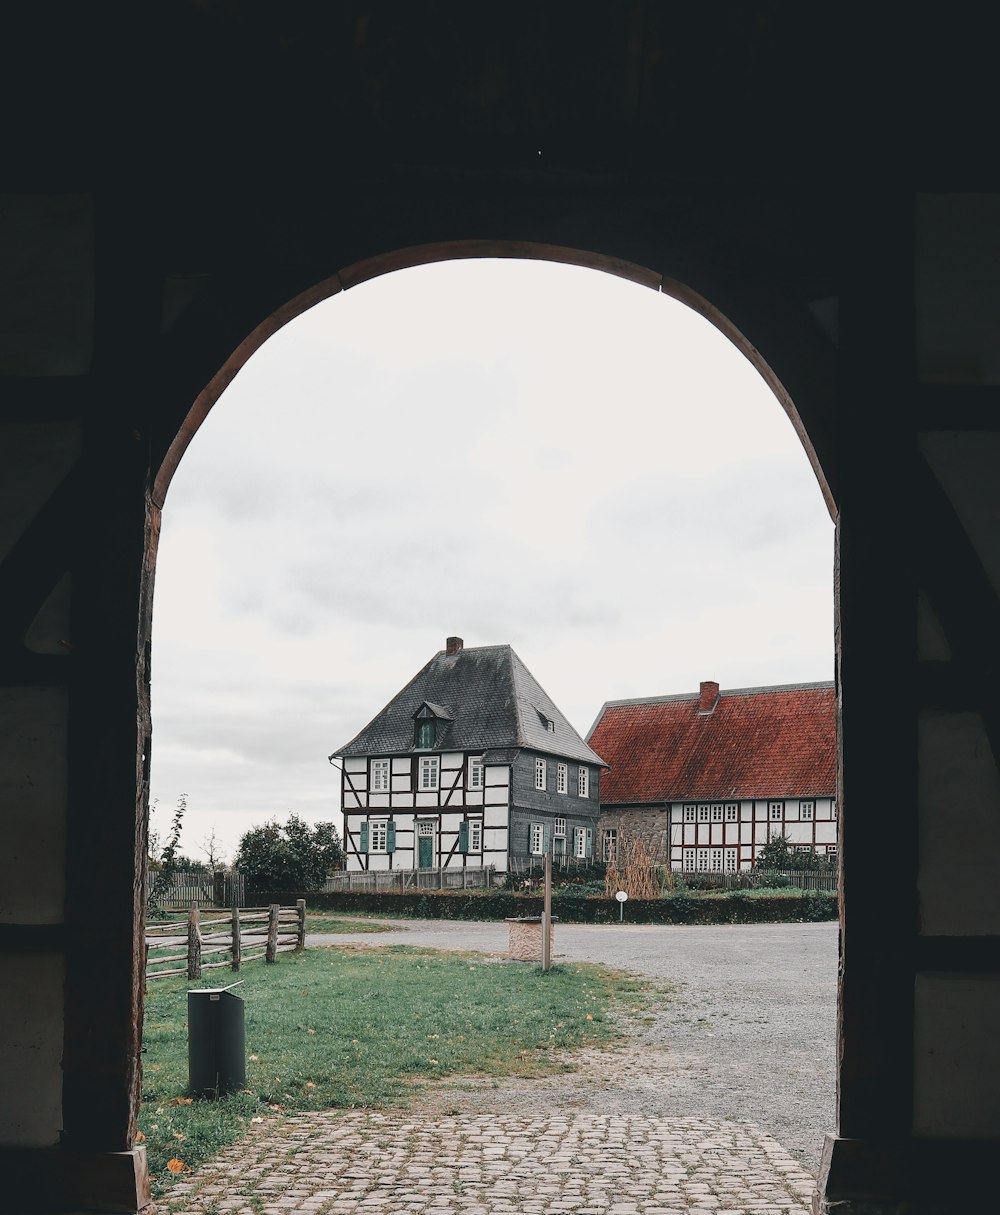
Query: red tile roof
{"points": [[757, 742]]}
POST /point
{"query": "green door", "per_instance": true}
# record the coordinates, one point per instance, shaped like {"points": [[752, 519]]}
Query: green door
{"points": [[425, 857]]}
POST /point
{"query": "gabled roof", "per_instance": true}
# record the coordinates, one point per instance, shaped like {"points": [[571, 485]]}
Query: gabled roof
{"points": [[492, 700], [756, 742]]}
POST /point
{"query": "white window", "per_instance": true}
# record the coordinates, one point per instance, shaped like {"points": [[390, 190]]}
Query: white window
{"points": [[732, 812], [561, 779], [429, 766], [831, 850], [716, 860], [380, 775], [610, 844], [539, 773], [806, 810], [476, 772], [584, 836], [689, 812], [702, 860], [425, 828], [583, 782], [776, 811], [717, 813], [559, 831], [378, 834], [535, 841], [802, 848], [688, 862], [730, 860], [703, 813], [475, 835]]}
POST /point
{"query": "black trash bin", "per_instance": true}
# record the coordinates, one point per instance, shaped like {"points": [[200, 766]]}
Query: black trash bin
{"points": [[216, 1042]]}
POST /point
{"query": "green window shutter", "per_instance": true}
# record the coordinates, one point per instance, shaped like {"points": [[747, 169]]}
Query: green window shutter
{"points": [[463, 837], [364, 838], [576, 840], [546, 836], [390, 836], [590, 843]]}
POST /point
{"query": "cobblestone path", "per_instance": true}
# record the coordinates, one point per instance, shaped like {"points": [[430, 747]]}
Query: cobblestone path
{"points": [[363, 1163]]}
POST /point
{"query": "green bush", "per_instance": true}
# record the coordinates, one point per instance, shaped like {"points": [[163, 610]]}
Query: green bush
{"points": [[735, 907]]}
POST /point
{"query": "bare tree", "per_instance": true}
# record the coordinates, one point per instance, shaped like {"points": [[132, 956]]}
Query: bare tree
{"points": [[213, 851]]}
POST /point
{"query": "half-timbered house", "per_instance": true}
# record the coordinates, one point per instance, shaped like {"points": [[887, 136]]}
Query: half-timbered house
{"points": [[706, 778], [471, 764]]}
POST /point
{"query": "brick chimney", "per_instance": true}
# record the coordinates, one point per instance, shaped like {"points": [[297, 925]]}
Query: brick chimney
{"points": [[708, 697], [453, 645]]}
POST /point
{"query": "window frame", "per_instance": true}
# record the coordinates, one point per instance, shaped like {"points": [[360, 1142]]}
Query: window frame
{"points": [[775, 812], [378, 835], [690, 813], [475, 834], [536, 839], [562, 778], [807, 811], [541, 773], [559, 829], [609, 844], [732, 812], [583, 781], [384, 767], [429, 764], [476, 768]]}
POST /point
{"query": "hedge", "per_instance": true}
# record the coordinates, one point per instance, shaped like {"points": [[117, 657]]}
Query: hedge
{"points": [[735, 907]]}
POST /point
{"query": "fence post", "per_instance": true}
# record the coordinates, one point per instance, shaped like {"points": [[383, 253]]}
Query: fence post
{"points": [[300, 907], [236, 938], [271, 951], [194, 945]]}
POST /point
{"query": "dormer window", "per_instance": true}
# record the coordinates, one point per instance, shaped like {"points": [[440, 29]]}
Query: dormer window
{"points": [[425, 735], [430, 722]]}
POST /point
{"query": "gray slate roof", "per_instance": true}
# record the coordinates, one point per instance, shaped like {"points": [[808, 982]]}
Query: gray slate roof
{"points": [[492, 701]]}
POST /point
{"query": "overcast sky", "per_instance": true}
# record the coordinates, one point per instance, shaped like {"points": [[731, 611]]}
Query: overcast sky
{"points": [[514, 452]]}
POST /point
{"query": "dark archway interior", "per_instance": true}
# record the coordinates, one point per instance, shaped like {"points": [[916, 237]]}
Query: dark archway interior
{"points": [[820, 186]]}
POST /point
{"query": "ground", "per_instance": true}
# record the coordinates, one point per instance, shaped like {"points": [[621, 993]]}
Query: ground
{"points": [[719, 1104]]}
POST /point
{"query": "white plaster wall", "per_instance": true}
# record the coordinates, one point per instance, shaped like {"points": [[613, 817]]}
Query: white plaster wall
{"points": [[497, 776], [495, 816], [958, 803], [403, 800], [799, 833], [356, 765], [33, 793], [401, 767], [31, 1030], [956, 1057]]}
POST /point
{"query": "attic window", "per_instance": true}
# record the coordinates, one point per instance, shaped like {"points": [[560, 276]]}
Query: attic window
{"points": [[425, 735], [547, 722]]}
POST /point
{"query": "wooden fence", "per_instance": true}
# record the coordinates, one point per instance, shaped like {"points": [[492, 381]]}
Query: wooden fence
{"points": [[402, 880], [244, 935], [204, 889]]}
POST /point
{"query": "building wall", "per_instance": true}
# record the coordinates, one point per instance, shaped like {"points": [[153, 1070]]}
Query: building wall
{"points": [[413, 811], [724, 836]]}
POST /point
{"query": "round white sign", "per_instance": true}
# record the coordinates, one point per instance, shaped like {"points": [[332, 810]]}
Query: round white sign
{"points": [[621, 896]]}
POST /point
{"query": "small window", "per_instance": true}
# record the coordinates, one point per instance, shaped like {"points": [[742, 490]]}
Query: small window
{"points": [[730, 860], [476, 772], [702, 860], [562, 781], [806, 810], [716, 860], [689, 813], [559, 831], [802, 848], [425, 735], [732, 812], [688, 862], [775, 811], [584, 842], [378, 836], [583, 782], [539, 773], [831, 850], [535, 840], [429, 772], [475, 835], [425, 829], [703, 813], [380, 775], [717, 813], [610, 844]]}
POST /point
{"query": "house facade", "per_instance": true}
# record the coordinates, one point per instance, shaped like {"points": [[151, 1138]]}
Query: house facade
{"points": [[706, 779], [470, 765]]}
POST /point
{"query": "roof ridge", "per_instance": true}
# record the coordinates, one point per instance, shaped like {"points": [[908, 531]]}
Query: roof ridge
{"points": [[752, 691]]}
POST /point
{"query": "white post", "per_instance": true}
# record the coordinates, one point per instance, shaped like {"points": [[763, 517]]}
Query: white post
{"points": [[547, 915]]}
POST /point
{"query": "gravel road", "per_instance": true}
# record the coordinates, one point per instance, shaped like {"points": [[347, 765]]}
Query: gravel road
{"points": [[747, 1028]]}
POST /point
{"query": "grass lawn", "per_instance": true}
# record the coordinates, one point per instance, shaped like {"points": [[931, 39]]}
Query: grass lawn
{"points": [[354, 1027], [318, 922]]}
